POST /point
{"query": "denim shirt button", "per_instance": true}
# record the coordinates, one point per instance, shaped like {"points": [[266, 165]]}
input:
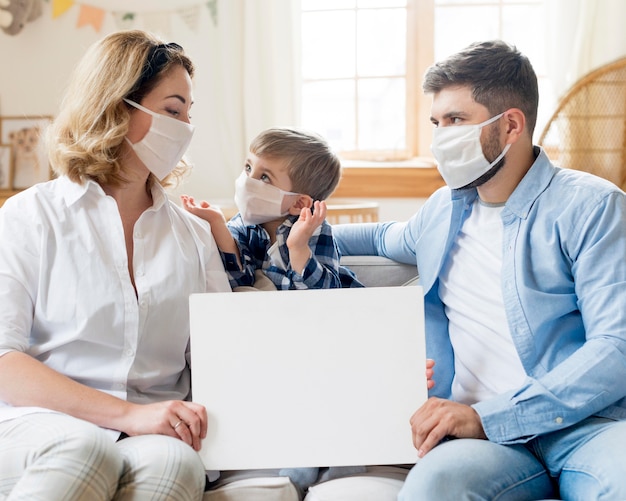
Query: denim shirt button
{"points": [[558, 420]]}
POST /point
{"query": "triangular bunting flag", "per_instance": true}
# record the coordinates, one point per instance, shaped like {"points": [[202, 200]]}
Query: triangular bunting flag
{"points": [[60, 6], [90, 16], [190, 15], [212, 6], [124, 20]]}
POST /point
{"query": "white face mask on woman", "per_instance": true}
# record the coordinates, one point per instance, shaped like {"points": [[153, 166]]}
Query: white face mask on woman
{"points": [[164, 144], [459, 153], [259, 202]]}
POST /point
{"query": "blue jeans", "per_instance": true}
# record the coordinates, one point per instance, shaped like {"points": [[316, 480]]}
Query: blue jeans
{"points": [[583, 462]]}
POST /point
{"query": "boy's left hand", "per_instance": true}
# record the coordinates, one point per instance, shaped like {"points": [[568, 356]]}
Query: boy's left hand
{"points": [[301, 232], [303, 229]]}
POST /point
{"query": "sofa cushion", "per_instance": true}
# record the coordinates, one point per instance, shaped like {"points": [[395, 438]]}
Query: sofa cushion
{"points": [[377, 271], [257, 485], [379, 483]]}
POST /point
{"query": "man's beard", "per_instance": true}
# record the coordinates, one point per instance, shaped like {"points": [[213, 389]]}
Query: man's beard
{"points": [[491, 150]]}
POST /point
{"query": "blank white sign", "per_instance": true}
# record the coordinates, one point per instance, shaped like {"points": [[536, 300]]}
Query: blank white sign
{"points": [[308, 378]]}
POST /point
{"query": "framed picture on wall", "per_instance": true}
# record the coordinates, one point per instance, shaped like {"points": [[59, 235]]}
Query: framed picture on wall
{"points": [[5, 167], [29, 161]]}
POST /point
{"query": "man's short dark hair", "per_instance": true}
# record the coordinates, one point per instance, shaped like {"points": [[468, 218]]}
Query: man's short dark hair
{"points": [[499, 75]]}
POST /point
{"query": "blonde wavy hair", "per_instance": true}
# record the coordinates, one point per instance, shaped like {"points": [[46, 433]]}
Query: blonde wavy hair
{"points": [[85, 140]]}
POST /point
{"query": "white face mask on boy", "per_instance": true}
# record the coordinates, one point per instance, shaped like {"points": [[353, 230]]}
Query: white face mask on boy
{"points": [[259, 202], [459, 153], [164, 144]]}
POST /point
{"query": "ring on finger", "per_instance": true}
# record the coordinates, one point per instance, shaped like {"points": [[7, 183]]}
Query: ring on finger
{"points": [[180, 421]]}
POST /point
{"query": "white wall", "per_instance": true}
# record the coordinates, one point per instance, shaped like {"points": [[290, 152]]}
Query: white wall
{"points": [[36, 63]]}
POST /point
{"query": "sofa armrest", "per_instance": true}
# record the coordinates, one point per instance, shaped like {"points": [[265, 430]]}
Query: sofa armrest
{"points": [[377, 271]]}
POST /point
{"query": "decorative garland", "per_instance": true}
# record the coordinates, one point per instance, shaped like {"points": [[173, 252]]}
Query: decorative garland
{"points": [[90, 15]]}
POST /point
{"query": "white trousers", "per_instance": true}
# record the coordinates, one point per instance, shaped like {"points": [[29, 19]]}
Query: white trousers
{"points": [[49, 456]]}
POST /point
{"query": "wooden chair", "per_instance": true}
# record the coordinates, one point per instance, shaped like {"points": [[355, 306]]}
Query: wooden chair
{"points": [[588, 129], [346, 211], [338, 211]]}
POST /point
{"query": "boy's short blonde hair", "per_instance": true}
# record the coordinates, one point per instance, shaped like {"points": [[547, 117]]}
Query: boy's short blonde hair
{"points": [[312, 166]]}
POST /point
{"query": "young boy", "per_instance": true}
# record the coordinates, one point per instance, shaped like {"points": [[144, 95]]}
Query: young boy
{"points": [[281, 228]]}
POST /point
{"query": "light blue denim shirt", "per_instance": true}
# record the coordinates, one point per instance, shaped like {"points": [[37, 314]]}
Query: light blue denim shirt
{"points": [[564, 289]]}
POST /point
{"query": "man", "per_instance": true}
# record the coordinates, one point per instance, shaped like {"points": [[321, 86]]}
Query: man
{"points": [[523, 266]]}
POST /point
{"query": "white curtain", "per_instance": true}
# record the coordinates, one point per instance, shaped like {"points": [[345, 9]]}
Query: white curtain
{"points": [[583, 35], [247, 79]]}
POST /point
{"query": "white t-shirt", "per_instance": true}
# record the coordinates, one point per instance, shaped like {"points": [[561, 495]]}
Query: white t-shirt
{"points": [[486, 361], [66, 296]]}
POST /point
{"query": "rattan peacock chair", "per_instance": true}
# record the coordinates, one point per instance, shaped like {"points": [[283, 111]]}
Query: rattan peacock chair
{"points": [[588, 129]]}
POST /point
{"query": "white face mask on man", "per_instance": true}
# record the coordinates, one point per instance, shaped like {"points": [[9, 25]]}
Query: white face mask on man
{"points": [[459, 153], [259, 202], [164, 144]]}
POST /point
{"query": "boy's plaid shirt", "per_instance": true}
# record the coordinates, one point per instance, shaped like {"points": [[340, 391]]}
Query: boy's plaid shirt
{"points": [[322, 271]]}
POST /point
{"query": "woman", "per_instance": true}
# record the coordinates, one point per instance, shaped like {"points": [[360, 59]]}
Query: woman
{"points": [[96, 267]]}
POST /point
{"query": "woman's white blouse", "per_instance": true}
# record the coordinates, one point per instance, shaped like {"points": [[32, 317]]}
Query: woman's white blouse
{"points": [[66, 296]]}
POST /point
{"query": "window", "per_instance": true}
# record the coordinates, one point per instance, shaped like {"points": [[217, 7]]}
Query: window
{"points": [[457, 23], [358, 71], [363, 62]]}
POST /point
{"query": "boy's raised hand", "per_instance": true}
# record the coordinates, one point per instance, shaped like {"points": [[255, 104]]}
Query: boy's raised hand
{"points": [[305, 226], [301, 233], [216, 219]]}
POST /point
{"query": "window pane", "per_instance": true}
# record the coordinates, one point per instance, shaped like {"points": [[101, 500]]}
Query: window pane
{"points": [[515, 22], [381, 3], [328, 109], [458, 2], [355, 90], [382, 105], [327, 4], [381, 42], [325, 56], [456, 28]]}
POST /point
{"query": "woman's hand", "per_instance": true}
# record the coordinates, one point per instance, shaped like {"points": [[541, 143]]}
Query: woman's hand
{"points": [[184, 420], [41, 386]]}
